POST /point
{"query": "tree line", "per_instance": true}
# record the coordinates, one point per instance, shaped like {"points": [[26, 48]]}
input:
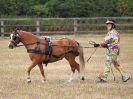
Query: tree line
{"points": [[66, 8]]}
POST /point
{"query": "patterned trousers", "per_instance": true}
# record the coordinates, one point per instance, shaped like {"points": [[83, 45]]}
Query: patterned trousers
{"points": [[110, 60]]}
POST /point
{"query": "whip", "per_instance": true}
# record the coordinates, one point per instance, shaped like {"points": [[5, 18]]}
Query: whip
{"points": [[92, 43]]}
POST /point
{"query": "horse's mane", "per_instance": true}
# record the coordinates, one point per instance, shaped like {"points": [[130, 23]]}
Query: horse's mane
{"points": [[28, 33]]}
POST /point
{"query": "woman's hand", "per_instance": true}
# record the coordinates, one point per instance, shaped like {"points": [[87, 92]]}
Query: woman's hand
{"points": [[96, 45]]}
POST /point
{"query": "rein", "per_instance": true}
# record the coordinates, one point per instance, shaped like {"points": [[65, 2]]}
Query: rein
{"points": [[90, 42], [56, 45]]}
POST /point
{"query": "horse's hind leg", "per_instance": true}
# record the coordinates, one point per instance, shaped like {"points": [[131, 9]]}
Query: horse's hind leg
{"points": [[74, 66], [42, 72], [34, 63]]}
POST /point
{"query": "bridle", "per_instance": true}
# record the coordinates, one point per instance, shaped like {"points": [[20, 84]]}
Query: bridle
{"points": [[15, 39]]}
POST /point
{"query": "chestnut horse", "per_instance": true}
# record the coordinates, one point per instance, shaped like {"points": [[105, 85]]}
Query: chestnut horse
{"points": [[46, 51]]}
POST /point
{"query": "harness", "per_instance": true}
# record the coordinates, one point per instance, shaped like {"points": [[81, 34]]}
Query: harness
{"points": [[48, 51]]}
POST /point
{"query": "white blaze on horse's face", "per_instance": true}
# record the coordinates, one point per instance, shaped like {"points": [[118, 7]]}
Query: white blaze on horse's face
{"points": [[11, 36]]}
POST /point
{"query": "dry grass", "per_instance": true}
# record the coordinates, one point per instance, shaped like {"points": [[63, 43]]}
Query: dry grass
{"points": [[13, 64]]}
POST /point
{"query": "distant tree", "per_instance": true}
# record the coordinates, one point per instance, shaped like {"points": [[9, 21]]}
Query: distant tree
{"points": [[125, 7], [66, 8]]}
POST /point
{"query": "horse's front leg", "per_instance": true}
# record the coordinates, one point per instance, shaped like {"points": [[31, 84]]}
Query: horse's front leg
{"points": [[42, 72], [34, 63]]}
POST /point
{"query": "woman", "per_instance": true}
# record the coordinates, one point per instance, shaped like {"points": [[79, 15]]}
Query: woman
{"points": [[112, 43]]}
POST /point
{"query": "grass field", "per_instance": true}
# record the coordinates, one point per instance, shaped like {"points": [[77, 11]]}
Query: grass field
{"points": [[13, 65]]}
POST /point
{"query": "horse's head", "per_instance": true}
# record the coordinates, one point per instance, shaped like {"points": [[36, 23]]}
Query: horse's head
{"points": [[14, 38]]}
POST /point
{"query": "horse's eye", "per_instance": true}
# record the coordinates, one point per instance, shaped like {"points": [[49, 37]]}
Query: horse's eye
{"points": [[14, 37]]}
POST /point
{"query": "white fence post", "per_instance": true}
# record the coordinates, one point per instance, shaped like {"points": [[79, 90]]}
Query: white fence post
{"points": [[2, 28], [38, 26]]}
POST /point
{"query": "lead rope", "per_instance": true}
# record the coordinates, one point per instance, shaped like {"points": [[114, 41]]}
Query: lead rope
{"points": [[92, 43]]}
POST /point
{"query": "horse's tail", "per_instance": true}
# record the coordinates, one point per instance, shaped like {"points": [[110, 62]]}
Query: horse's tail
{"points": [[81, 59]]}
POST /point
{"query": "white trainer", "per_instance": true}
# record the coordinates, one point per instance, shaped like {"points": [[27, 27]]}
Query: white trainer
{"points": [[125, 78]]}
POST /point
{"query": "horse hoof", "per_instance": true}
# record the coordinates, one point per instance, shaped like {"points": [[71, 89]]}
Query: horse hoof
{"points": [[28, 81], [43, 81], [69, 81], [83, 78]]}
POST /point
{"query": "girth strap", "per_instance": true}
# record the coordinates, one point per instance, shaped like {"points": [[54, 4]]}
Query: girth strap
{"points": [[67, 52], [48, 51], [48, 47], [72, 52]]}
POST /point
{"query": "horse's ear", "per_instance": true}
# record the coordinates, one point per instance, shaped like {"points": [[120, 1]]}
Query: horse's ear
{"points": [[15, 30]]}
